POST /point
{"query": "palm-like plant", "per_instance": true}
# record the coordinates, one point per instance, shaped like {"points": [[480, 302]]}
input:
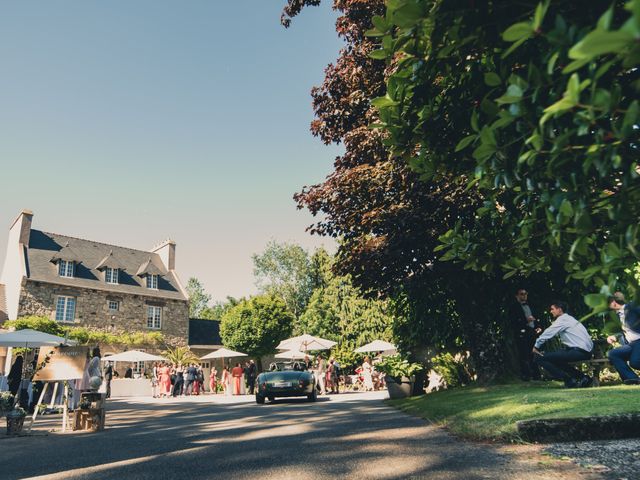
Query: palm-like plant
{"points": [[180, 356]]}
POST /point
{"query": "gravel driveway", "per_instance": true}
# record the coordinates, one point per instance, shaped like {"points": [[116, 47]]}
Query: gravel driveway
{"points": [[615, 459], [342, 436]]}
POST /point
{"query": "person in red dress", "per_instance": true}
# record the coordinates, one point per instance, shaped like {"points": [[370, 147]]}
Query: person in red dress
{"points": [[236, 373]]}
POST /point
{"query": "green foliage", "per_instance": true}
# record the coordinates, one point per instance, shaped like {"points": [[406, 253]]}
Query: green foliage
{"points": [[340, 312], [198, 298], [284, 269], [86, 335], [7, 400], [454, 369], [536, 106], [397, 366], [41, 324], [180, 356], [257, 325]]}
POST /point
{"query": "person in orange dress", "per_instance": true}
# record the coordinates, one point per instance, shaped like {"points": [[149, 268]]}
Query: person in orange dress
{"points": [[213, 380], [236, 373], [226, 380], [164, 380]]}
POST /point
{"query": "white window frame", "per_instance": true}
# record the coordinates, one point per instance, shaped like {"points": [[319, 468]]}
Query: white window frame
{"points": [[152, 282], [65, 268], [111, 275], [65, 311], [154, 317], [137, 367], [110, 304]]}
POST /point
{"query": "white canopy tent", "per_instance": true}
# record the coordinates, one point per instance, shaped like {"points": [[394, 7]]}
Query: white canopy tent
{"points": [[133, 356], [378, 346], [293, 355], [223, 353], [304, 343]]}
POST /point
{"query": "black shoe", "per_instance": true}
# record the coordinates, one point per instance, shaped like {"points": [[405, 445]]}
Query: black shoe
{"points": [[631, 381], [585, 382]]}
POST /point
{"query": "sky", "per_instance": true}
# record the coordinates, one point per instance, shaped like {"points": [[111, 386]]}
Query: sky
{"points": [[131, 122]]}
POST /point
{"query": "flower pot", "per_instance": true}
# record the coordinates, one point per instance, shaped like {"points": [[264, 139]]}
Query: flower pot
{"points": [[14, 423], [399, 387]]}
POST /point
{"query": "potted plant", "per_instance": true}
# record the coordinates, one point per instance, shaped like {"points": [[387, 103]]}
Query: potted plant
{"points": [[7, 399], [399, 375], [15, 420]]}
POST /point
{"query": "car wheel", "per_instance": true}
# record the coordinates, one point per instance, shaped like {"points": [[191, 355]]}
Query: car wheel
{"points": [[259, 399], [313, 396]]}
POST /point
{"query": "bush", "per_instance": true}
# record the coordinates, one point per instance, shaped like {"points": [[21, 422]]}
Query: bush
{"points": [[396, 366], [454, 369]]}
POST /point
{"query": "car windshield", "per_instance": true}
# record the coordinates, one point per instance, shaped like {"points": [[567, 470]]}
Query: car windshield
{"points": [[286, 366]]}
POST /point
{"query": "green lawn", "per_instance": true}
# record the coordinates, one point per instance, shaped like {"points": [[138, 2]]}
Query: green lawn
{"points": [[490, 413]]}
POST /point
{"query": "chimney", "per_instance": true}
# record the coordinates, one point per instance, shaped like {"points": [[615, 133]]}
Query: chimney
{"points": [[167, 252], [22, 226]]}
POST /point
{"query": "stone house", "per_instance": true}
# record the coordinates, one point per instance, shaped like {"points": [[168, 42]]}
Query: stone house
{"points": [[86, 283]]}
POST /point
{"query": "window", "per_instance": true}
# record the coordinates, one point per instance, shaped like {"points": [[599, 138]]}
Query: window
{"points": [[114, 305], [154, 317], [65, 268], [65, 309], [152, 281], [111, 275], [137, 368]]}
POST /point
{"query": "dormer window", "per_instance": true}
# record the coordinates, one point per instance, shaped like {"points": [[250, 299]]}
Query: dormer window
{"points": [[65, 268], [152, 282], [111, 275]]}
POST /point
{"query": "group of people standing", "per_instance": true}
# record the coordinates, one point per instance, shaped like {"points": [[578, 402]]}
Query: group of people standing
{"points": [[577, 343], [175, 380], [238, 380]]}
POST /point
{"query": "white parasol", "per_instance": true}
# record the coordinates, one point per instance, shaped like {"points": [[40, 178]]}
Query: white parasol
{"points": [[293, 355], [377, 346], [305, 342], [28, 338], [223, 353], [133, 356]]}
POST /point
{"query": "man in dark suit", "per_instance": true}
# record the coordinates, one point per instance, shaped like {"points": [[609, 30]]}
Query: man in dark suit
{"points": [[108, 376], [251, 376], [626, 357], [526, 328]]}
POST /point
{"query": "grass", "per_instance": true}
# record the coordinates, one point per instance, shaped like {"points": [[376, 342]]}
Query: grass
{"points": [[491, 413]]}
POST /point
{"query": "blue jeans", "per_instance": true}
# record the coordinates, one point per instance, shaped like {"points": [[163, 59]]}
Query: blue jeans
{"points": [[626, 353], [557, 363]]}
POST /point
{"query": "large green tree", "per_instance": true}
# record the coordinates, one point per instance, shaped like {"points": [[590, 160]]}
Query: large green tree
{"points": [[284, 269], [256, 326], [198, 298], [535, 105]]}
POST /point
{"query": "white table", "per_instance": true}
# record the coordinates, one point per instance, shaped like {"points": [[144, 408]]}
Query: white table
{"points": [[131, 387]]}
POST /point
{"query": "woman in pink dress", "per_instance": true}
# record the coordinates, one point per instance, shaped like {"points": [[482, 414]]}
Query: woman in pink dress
{"points": [[226, 380], [164, 380]]}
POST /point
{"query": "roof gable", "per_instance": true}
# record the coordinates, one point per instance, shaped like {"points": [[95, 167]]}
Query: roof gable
{"points": [[90, 255]]}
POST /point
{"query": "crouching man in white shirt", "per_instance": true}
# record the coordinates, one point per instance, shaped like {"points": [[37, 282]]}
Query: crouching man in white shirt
{"points": [[577, 343]]}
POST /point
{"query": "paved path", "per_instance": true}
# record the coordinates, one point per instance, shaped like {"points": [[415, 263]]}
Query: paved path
{"points": [[342, 436]]}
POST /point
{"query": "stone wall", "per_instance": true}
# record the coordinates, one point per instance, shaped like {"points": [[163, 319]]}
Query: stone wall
{"points": [[92, 310]]}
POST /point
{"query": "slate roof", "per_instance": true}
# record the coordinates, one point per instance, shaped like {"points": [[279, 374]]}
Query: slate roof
{"points": [[204, 332], [44, 246], [110, 262], [3, 305]]}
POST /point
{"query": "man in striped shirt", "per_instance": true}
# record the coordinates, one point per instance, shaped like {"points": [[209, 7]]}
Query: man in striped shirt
{"points": [[577, 346]]}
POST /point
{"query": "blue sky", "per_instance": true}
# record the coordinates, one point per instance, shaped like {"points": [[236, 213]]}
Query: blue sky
{"points": [[128, 122]]}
